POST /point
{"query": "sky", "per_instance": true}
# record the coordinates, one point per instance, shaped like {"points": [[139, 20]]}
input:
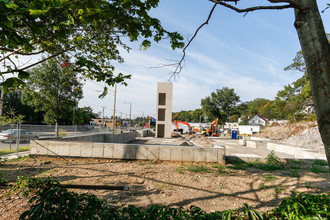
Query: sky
{"points": [[247, 53]]}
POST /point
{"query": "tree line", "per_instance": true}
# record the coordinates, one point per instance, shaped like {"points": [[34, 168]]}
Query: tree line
{"points": [[290, 103]]}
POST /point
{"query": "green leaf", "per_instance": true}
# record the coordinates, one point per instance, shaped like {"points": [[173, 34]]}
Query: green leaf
{"points": [[35, 12]]}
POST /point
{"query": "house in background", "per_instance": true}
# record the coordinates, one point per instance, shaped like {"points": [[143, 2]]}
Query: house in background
{"points": [[258, 120]]}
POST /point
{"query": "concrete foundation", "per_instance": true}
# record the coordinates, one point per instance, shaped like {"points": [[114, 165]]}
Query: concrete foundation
{"points": [[164, 110], [127, 151]]}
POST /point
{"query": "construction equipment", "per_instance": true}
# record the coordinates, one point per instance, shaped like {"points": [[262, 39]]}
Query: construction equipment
{"points": [[180, 129], [213, 130]]}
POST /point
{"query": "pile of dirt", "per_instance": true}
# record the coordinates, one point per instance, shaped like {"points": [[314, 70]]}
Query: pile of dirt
{"points": [[198, 140], [303, 135]]}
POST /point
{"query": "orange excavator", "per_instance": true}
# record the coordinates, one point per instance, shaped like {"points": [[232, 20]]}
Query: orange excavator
{"points": [[213, 130], [181, 122]]}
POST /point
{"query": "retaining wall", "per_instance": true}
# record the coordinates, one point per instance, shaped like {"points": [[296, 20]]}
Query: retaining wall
{"points": [[298, 153], [126, 151], [103, 138]]}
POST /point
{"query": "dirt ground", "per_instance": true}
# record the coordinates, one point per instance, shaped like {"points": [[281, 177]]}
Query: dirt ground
{"points": [[209, 186]]}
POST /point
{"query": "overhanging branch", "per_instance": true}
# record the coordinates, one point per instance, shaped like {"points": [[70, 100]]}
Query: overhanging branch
{"points": [[179, 65]]}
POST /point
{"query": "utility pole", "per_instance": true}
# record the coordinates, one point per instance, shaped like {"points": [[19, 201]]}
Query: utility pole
{"points": [[1, 101], [103, 115], [114, 112]]}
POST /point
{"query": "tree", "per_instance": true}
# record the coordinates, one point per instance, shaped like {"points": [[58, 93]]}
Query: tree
{"points": [[53, 88], [12, 103], [315, 49], [221, 104], [89, 32], [83, 115]]}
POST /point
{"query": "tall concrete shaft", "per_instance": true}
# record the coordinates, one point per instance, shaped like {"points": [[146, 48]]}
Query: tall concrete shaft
{"points": [[164, 110]]}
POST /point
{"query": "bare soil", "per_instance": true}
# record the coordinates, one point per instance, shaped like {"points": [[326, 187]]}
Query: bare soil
{"points": [[207, 185]]}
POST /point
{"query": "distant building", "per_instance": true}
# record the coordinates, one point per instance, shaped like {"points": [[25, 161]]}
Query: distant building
{"points": [[258, 120]]}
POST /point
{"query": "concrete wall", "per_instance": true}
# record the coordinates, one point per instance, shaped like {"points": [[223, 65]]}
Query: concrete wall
{"points": [[124, 137], [298, 153], [127, 151], [164, 110], [143, 132]]}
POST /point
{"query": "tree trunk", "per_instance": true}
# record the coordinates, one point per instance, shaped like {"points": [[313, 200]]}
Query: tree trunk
{"points": [[56, 128], [316, 50]]}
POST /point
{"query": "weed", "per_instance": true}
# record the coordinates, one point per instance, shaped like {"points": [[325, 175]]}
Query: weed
{"points": [[320, 163], [263, 186], [294, 173], [272, 158], [319, 169], [220, 169], [269, 178], [20, 158], [279, 189], [180, 170], [147, 168], [62, 133], [198, 169]]}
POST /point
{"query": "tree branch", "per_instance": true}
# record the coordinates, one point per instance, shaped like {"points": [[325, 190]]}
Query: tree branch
{"points": [[179, 65], [52, 56], [279, 7], [17, 52]]}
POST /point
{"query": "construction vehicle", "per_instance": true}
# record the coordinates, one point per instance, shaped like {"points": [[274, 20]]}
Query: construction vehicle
{"points": [[180, 129], [213, 130]]}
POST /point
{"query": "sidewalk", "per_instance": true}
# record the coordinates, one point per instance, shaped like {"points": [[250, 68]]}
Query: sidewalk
{"points": [[14, 156]]}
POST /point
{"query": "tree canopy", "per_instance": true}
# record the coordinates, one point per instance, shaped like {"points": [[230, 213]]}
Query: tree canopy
{"points": [[88, 32], [221, 104], [54, 89]]}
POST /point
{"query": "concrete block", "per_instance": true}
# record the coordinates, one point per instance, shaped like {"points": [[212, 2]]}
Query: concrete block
{"points": [[33, 149], [118, 151], [211, 155], [108, 151], [141, 152], [251, 144], [86, 149], [64, 149], [98, 150], [242, 142], [74, 148], [130, 151], [188, 153], [176, 153], [41, 148], [164, 153], [221, 155], [199, 154], [153, 152], [52, 148]]}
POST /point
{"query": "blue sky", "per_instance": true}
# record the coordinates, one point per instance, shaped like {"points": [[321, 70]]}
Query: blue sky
{"points": [[245, 53]]}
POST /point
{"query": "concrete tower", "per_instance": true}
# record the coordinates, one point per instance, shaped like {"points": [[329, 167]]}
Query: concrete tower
{"points": [[164, 110]]}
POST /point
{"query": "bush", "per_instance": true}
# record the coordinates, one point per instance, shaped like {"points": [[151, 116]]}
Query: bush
{"points": [[49, 201]]}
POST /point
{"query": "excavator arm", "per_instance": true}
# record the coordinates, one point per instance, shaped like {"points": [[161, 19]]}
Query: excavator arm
{"points": [[181, 122]]}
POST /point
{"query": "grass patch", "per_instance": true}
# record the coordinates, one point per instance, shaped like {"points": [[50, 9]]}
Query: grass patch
{"points": [[180, 170], [8, 151], [198, 169], [269, 178], [320, 163], [220, 169], [319, 169]]}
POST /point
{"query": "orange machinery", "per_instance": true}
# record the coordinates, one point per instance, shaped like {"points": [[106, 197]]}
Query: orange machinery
{"points": [[213, 130], [181, 122]]}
